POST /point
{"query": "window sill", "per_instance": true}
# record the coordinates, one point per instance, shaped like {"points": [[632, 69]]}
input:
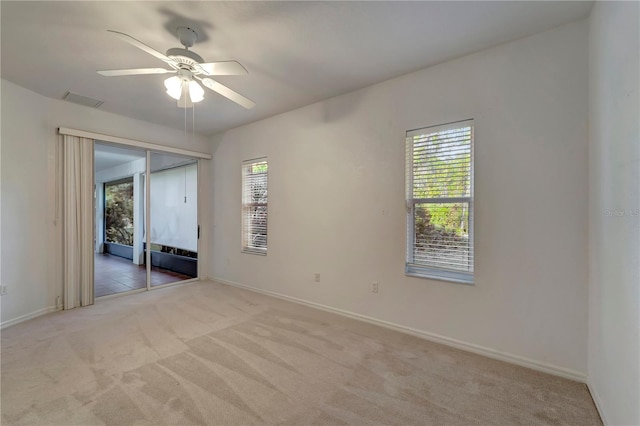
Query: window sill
{"points": [[437, 274]]}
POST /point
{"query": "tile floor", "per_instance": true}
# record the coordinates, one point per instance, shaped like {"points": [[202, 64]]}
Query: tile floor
{"points": [[114, 274]]}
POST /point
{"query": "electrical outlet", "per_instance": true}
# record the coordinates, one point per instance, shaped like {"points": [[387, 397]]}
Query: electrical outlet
{"points": [[3, 289], [374, 286], [317, 277]]}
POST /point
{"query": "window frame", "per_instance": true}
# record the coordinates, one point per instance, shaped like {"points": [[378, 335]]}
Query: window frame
{"points": [[421, 270], [245, 231]]}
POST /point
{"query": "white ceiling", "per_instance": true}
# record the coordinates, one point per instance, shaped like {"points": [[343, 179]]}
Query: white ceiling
{"points": [[296, 53]]}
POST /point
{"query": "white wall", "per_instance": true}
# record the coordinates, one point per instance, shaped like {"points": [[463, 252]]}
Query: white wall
{"points": [[31, 259], [336, 200], [614, 211]]}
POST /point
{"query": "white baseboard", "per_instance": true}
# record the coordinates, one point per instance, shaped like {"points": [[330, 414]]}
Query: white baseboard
{"points": [[598, 402], [27, 317], [469, 347], [50, 309]]}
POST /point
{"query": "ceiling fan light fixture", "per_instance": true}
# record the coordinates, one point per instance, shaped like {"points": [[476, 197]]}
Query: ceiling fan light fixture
{"points": [[174, 87], [196, 92]]}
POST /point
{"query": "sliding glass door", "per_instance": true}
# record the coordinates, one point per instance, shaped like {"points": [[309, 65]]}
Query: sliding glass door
{"points": [[173, 219], [146, 223]]}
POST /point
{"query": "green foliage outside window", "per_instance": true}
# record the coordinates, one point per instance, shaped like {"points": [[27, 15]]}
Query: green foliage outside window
{"points": [[442, 169], [119, 212], [259, 167]]}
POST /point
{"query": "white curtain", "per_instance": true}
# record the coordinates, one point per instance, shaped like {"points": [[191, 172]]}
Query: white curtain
{"points": [[78, 221]]}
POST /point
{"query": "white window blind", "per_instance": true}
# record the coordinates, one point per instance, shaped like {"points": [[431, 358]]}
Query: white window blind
{"points": [[254, 206], [440, 202]]}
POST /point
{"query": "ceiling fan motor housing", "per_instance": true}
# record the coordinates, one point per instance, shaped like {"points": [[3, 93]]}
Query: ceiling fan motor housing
{"points": [[184, 56], [187, 37]]}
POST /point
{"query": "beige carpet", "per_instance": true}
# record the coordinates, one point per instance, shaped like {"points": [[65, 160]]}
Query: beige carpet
{"points": [[206, 353]]}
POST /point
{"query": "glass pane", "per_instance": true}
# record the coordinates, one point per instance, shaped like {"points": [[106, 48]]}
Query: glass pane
{"points": [[255, 199], [442, 163], [118, 210], [442, 236], [119, 232], [256, 217], [174, 218]]}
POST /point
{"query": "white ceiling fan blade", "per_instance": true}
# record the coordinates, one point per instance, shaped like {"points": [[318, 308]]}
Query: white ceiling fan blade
{"points": [[223, 68], [228, 93], [140, 45], [135, 71]]}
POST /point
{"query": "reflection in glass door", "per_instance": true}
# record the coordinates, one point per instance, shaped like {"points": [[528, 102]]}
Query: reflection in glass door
{"points": [[173, 227]]}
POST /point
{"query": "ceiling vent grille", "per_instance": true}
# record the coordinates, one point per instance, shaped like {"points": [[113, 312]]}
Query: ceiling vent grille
{"points": [[82, 100]]}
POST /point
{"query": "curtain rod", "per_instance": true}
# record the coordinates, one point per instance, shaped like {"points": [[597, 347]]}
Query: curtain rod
{"points": [[132, 142]]}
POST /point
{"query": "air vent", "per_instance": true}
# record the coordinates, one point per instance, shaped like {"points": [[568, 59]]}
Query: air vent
{"points": [[82, 100]]}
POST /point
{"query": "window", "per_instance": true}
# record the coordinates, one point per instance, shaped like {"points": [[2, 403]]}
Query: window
{"points": [[118, 212], [254, 206], [440, 202]]}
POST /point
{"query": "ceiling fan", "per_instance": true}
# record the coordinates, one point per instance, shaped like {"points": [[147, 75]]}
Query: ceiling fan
{"points": [[188, 67]]}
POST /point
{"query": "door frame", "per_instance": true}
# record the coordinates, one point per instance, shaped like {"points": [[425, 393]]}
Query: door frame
{"points": [[148, 147]]}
